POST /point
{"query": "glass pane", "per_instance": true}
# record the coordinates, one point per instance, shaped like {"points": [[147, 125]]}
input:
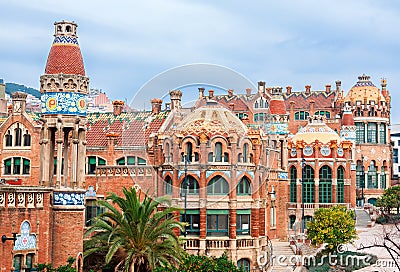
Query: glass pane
{"points": [[92, 160], [17, 161], [101, 161], [131, 160]]}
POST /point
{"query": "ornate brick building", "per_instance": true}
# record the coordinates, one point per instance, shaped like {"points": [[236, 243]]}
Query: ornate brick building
{"points": [[243, 167]]}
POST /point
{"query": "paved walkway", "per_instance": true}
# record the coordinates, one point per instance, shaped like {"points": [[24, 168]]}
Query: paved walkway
{"points": [[362, 218], [282, 253]]}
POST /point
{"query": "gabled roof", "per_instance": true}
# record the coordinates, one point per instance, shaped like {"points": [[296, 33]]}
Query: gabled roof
{"points": [[322, 99]]}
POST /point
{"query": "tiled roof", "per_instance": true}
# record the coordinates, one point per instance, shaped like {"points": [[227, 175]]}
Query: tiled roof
{"points": [[133, 128], [65, 58], [316, 129], [239, 100], [302, 100], [277, 106]]}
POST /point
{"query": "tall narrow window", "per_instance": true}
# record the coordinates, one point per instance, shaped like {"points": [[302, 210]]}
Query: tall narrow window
{"points": [[7, 167], [340, 185], [293, 185], [8, 138], [382, 134], [309, 185], [360, 133], [218, 152], [360, 175], [383, 178], [17, 166], [372, 176], [27, 139], [189, 151], [26, 168], [243, 222], [245, 152], [371, 133], [18, 136], [168, 186], [325, 184]]}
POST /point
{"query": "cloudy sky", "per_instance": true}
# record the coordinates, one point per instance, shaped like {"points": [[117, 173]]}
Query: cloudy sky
{"points": [[126, 44]]}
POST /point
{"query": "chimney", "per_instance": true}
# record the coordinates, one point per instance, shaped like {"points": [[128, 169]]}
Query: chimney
{"points": [[230, 93], [338, 85], [288, 89], [176, 97], [384, 90], [201, 93], [118, 106], [328, 88], [210, 94], [312, 104], [261, 86], [308, 89], [231, 106], [3, 101], [112, 138], [248, 92], [156, 105]]}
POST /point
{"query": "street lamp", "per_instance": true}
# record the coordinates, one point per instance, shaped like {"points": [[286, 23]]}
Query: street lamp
{"points": [[4, 238], [303, 164]]}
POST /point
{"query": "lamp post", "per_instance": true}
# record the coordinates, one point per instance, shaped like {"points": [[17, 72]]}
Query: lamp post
{"points": [[303, 164], [4, 238]]}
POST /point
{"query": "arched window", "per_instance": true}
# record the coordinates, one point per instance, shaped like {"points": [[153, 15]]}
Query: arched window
{"points": [[372, 112], [245, 152], [309, 189], [27, 139], [244, 264], [327, 114], [243, 187], [325, 184], [210, 157], [17, 166], [217, 186], [383, 178], [168, 186], [372, 176], [301, 115], [191, 186], [18, 136], [293, 185], [131, 160], [8, 137], [218, 152], [340, 185], [92, 163]]}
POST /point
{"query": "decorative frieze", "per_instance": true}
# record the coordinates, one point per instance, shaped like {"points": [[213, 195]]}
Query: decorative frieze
{"points": [[68, 198], [21, 199]]}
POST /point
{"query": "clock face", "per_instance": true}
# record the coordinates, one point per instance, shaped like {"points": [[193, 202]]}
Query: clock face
{"points": [[325, 150], [293, 152], [340, 151], [308, 150]]}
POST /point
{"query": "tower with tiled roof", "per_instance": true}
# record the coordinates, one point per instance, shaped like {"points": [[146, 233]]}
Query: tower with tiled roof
{"points": [[64, 88], [370, 107]]}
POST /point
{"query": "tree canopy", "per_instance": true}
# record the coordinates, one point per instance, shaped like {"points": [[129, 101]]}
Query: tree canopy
{"points": [[334, 226], [135, 234], [390, 199]]}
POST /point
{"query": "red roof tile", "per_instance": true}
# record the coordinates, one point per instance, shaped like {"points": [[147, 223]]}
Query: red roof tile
{"points": [[66, 59], [302, 100]]}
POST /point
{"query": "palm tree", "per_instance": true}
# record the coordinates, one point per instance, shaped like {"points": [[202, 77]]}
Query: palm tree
{"points": [[133, 234]]}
